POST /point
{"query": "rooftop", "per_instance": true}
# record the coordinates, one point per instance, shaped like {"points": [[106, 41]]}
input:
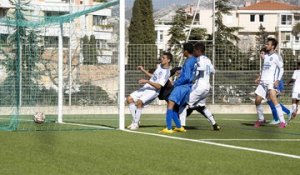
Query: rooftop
{"points": [[271, 5]]}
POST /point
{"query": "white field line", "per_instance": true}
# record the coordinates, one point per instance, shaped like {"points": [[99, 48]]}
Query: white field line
{"points": [[219, 144], [264, 140], [90, 126], [151, 119]]}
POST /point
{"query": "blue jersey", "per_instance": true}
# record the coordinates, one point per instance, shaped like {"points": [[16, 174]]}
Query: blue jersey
{"points": [[187, 73], [183, 84]]}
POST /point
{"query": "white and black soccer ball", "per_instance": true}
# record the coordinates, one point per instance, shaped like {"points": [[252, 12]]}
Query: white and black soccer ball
{"points": [[39, 117]]}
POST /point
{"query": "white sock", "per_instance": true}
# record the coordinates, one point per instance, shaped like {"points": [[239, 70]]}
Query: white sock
{"points": [[138, 114], [132, 109], [260, 113], [209, 116], [182, 116], [294, 108], [280, 113]]}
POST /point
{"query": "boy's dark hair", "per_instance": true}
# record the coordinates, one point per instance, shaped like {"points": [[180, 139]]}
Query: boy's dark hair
{"points": [[263, 49], [169, 55], [274, 42], [199, 46], [189, 47]]}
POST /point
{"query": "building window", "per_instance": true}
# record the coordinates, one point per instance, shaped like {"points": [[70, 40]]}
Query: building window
{"points": [[161, 36], [285, 36], [286, 19], [3, 12], [52, 41], [54, 13], [297, 17], [297, 39], [252, 18], [101, 44], [261, 18], [99, 20]]}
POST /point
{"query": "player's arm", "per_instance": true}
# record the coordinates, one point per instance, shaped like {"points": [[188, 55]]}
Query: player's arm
{"points": [[141, 68], [155, 85], [257, 80], [279, 63], [186, 73]]}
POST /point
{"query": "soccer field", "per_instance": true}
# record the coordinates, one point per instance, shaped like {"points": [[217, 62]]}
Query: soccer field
{"points": [[238, 148]]}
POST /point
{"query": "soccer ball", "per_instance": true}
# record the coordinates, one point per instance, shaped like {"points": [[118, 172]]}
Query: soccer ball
{"points": [[39, 118]]}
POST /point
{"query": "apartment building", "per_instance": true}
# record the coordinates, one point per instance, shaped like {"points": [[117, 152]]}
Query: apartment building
{"points": [[96, 23], [277, 18]]}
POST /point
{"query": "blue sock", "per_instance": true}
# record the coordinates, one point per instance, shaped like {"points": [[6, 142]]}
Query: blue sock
{"points": [[169, 117], [273, 109], [284, 109], [176, 119]]}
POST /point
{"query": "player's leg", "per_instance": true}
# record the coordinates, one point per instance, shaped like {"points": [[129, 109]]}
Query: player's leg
{"points": [[131, 105], [287, 111], [260, 94], [274, 113], [209, 116], [146, 97], [183, 115], [273, 97], [294, 107]]}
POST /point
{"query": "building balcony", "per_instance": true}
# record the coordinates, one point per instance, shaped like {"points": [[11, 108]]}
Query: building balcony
{"points": [[286, 28], [290, 45], [103, 28]]}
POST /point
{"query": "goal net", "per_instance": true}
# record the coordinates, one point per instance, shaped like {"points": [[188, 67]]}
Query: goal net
{"points": [[59, 59]]}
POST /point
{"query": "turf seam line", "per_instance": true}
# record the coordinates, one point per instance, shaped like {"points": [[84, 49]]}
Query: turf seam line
{"points": [[271, 140], [218, 144]]}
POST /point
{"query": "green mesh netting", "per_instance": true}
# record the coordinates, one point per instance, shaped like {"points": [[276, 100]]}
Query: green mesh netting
{"points": [[20, 58]]}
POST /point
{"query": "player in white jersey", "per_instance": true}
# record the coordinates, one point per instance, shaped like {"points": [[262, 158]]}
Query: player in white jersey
{"points": [[199, 92], [150, 90], [296, 90], [271, 74]]}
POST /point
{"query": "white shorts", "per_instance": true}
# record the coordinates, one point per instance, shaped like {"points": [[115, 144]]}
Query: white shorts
{"points": [[296, 95], [198, 96], [145, 95], [263, 89]]}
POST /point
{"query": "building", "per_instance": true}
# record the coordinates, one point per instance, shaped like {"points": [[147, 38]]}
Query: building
{"points": [[277, 18], [96, 23]]}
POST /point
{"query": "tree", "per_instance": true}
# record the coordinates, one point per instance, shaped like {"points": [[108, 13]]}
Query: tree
{"points": [[22, 69], [85, 50], [227, 53], [141, 29], [178, 27], [261, 36], [93, 50], [296, 29], [141, 32], [198, 34]]}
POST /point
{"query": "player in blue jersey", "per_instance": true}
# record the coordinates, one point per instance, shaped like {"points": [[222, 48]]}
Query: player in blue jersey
{"points": [[182, 86]]}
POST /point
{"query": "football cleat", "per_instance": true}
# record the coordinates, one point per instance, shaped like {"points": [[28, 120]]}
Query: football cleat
{"points": [[216, 127], [179, 129], [134, 126], [282, 125], [274, 122], [129, 126], [258, 123], [166, 131]]}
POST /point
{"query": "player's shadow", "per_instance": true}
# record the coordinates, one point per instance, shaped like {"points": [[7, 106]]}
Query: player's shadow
{"points": [[151, 126]]}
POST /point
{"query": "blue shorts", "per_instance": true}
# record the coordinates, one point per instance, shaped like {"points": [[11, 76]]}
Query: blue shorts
{"points": [[180, 94]]}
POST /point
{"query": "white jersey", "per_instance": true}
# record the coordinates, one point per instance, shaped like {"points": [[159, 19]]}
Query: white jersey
{"points": [[272, 68], [203, 71], [296, 77], [160, 76]]}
